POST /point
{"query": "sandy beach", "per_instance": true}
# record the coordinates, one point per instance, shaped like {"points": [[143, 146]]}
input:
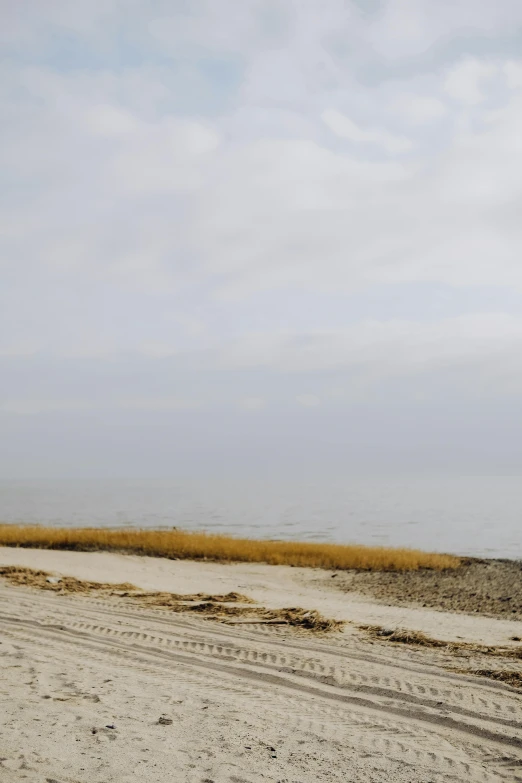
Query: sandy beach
{"points": [[96, 689]]}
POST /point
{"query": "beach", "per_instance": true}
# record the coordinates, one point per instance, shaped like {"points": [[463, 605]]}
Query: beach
{"points": [[99, 687]]}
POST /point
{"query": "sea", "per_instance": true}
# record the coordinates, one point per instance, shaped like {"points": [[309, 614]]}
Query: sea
{"points": [[466, 515]]}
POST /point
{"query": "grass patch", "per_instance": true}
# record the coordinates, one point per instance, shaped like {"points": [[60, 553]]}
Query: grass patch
{"points": [[232, 607], [179, 544]]}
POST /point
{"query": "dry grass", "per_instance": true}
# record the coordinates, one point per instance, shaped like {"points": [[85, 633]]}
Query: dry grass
{"points": [[227, 608], [504, 656], [402, 636], [510, 677], [28, 577], [179, 544], [417, 638]]}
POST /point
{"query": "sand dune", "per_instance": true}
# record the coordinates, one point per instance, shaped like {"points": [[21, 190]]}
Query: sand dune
{"points": [[95, 690]]}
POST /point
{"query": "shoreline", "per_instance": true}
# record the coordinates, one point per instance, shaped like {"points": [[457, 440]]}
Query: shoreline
{"points": [[490, 587]]}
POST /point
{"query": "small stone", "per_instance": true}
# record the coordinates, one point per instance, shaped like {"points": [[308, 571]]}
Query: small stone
{"points": [[110, 726], [53, 580], [165, 721]]}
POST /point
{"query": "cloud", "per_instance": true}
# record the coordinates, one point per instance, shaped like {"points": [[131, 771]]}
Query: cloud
{"points": [[386, 349], [513, 72], [115, 188], [308, 400], [420, 110], [156, 404], [108, 121], [163, 158], [33, 406], [467, 80], [253, 403], [410, 28], [238, 204], [473, 358], [343, 126]]}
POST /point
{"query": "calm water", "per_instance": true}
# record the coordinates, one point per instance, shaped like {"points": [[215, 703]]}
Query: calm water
{"points": [[464, 515]]}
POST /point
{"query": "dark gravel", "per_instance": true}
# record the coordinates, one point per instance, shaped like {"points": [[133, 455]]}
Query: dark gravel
{"points": [[487, 587]]}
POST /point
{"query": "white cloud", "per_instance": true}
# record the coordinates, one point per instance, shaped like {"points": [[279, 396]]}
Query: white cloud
{"points": [[10, 347], [308, 400], [513, 72], [474, 356], [294, 213], [252, 403], [235, 28], [420, 110], [275, 78], [193, 326], [384, 349], [467, 80], [345, 128], [30, 406], [107, 120], [155, 404], [156, 349], [165, 157], [411, 28], [148, 204], [262, 197]]}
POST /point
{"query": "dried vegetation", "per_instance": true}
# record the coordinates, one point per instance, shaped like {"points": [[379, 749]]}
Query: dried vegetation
{"points": [[503, 655], [232, 607], [179, 544]]}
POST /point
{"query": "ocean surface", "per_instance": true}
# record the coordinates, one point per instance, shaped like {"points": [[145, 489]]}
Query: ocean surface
{"points": [[479, 516]]}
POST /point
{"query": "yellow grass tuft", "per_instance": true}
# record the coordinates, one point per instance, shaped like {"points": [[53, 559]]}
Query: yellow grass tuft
{"points": [[179, 544]]}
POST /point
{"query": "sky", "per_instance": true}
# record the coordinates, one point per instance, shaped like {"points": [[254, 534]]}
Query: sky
{"points": [[260, 235]]}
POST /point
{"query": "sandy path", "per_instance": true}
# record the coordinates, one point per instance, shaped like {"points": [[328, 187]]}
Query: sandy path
{"points": [[333, 709]]}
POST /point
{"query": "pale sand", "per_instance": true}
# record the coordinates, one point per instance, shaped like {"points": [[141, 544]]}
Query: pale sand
{"points": [[334, 708]]}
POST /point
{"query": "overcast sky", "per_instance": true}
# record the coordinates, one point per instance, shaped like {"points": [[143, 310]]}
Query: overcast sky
{"points": [[264, 233]]}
